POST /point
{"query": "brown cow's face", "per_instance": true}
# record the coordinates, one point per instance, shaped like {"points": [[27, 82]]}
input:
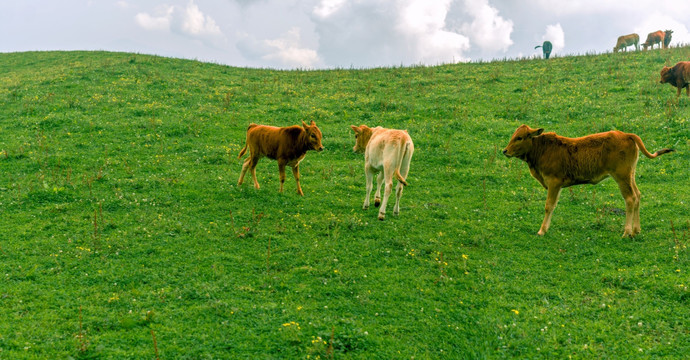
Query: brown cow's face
{"points": [[666, 75], [313, 136], [521, 142], [362, 136]]}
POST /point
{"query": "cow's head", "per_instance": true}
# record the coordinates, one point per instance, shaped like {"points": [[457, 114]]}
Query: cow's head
{"points": [[521, 142], [313, 136], [667, 75], [362, 136]]}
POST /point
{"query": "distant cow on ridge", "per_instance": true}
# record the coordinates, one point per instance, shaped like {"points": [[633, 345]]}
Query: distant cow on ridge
{"points": [[656, 37], [288, 145], [546, 48], [678, 76], [387, 152], [558, 162], [627, 40], [667, 38]]}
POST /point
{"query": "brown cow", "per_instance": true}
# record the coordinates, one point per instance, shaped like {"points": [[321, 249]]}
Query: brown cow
{"points": [[656, 37], [627, 40], [288, 145], [558, 162], [387, 152], [678, 76]]}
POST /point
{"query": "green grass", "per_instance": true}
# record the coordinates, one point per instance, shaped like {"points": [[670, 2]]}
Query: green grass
{"points": [[121, 218]]}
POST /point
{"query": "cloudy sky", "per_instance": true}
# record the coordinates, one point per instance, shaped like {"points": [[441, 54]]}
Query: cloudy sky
{"points": [[314, 34]]}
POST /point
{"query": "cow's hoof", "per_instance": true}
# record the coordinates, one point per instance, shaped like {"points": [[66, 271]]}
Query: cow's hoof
{"points": [[377, 202], [396, 213], [382, 217], [365, 207], [541, 233]]}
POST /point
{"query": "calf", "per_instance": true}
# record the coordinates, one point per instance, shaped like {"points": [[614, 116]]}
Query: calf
{"points": [[678, 76], [288, 145], [558, 162], [388, 150]]}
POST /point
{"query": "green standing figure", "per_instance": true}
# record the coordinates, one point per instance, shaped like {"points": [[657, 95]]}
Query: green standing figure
{"points": [[546, 47]]}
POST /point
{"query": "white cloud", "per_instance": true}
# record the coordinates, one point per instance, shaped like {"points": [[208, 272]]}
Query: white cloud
{"points": [[386, 32], [555, 34], [192, 21], [488, 30], [286, 51], [327, 7], [161, 22], [188, 20]]}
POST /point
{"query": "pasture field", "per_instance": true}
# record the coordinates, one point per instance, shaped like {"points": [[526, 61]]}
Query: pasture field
{"points": [[123, 233]]}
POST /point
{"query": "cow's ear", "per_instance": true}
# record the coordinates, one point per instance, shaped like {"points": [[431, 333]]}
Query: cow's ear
{"points": [[312, 123], [304, 125], [538, 132], [356, 129]]}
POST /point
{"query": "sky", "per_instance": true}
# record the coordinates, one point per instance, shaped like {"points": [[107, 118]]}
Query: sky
{"points": [[325, 34]]}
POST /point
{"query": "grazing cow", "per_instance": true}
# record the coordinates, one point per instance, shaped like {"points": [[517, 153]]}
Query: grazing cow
{"points": [[656, 37], [546, 48], [678, 76], [667, 38], [288, 145], [558, 162], [627, 40], [388, 150]]}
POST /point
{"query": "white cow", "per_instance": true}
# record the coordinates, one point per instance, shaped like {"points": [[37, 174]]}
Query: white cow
{"points": [[389, 150]]}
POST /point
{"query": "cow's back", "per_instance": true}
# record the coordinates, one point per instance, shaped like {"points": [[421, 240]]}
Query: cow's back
{"points": [[683, 71], [383, 144], [581, 160]]}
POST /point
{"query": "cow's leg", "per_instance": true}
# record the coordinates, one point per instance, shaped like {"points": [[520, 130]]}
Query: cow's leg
{"points": [[377, 196], [388, 188], [636, 215], [245, 166], [631, 202], [551, 200], [295, 173], [370, 185], [687, 91], [253, 160], [398, 195], [281, 171], [404, 170]]}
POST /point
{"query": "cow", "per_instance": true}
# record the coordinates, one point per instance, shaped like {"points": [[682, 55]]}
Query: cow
{"points": [[667, 38], [558, 162], [546, 48], [388, 153], [678, 76], [288, 145], [627, 40], [656, 37]]}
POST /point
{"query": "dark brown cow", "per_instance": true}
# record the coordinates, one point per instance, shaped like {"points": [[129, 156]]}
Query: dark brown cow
{"points": [[656, 37], [627, 40], [667, 38], [558, 162], [288, 145], [678, 76]]}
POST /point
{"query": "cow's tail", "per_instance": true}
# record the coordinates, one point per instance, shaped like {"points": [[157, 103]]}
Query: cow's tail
{"points": [[537, 47], [404, 150], [643, 149], [244, 149]]}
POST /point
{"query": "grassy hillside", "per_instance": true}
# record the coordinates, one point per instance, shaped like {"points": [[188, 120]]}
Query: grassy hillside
{"points": [[121, 221]]}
